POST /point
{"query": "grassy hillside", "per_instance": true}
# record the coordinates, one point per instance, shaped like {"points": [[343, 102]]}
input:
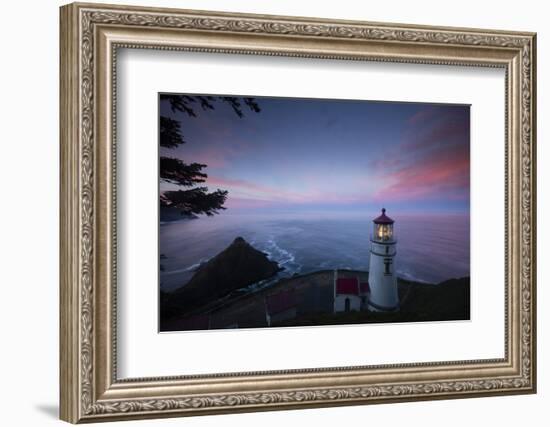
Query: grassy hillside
{"points": [[449, 300]]}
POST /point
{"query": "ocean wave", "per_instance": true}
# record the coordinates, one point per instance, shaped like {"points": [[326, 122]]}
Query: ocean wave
{"points": [[186, 269], [283, 257], [409, 276]]}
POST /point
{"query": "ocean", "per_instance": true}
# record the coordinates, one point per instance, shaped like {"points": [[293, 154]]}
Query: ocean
{"points": [[430, 248]]}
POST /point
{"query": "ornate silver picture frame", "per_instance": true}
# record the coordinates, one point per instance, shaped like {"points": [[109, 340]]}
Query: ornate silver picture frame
{"points": [[91, 36]]}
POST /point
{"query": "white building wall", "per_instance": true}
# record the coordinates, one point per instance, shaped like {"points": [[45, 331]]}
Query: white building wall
{"points": [[340, 303], [383, 286]]}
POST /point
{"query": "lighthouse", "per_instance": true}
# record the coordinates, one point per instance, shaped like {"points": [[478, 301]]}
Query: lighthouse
{"points": [[382, 277]]}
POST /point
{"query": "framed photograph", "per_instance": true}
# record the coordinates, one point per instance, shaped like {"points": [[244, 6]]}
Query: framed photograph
{"points": [[266, 212], [290, 235]]}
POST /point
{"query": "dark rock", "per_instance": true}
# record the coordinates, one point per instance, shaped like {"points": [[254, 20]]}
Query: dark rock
{"points": [[237, 266]]}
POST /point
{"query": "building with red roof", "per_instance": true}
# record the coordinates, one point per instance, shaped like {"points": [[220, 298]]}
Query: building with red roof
{"points": [[350, 294], [347, 286]]}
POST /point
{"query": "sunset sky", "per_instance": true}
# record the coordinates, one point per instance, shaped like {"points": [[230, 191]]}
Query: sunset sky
{"points": [[302, 154]]}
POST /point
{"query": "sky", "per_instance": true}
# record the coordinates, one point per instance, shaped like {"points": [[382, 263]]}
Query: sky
{"points": [[325, 154]]}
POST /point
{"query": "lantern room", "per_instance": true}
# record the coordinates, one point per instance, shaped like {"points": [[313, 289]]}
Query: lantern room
{"points": [[382, 228]]}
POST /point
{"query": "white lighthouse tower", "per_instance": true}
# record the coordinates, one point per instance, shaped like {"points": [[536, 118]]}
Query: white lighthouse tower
{"points": [[382, 277]]}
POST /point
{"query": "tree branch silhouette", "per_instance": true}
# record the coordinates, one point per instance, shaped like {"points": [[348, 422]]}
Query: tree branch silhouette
{"points": [[192, 200]]}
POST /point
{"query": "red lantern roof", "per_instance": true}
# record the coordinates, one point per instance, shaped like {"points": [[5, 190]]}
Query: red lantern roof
{"points": [[383, 219], [347, 286]]}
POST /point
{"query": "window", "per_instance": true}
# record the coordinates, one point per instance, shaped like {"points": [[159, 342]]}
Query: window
{"points": [[347, 304], [383, 232], [387, 263]]}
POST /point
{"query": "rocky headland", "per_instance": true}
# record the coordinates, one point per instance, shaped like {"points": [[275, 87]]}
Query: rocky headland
{"points": [[217, 296], [236, 267]]}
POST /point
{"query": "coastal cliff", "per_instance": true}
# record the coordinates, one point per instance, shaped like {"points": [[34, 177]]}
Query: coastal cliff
{"points": [[214, 298], [237, 266]]}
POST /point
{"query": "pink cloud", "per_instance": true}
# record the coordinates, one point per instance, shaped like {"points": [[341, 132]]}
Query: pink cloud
{"points": [[432, 161], [245, 193], [249, 190], [212, 157], [441, 174], [239, 203], [220, 154]]}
